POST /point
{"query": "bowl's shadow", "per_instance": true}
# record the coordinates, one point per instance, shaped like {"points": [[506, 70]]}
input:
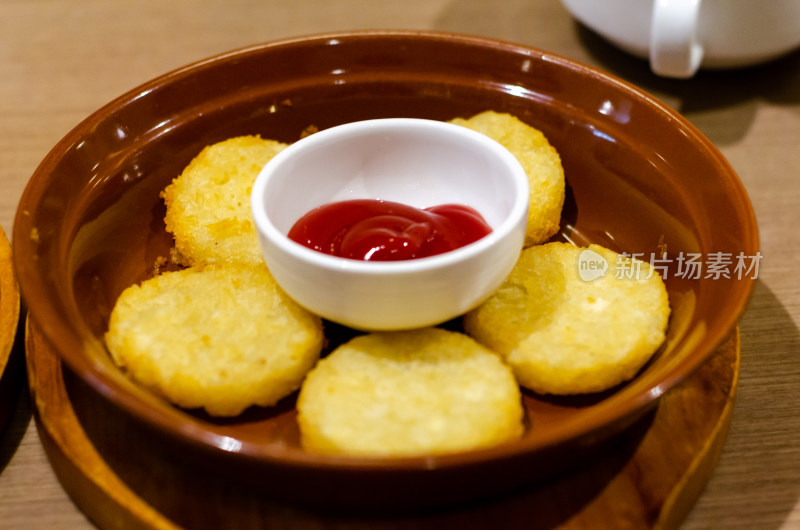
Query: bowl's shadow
{"points": [[764, 486], [16, 414]]}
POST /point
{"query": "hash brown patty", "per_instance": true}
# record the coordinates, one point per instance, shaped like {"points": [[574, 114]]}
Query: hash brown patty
{"points": [[563, 334], [426, 391], [221, 337]]}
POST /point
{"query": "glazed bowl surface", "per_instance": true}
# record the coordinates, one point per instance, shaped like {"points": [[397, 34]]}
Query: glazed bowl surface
{"points": [[640, 180]]}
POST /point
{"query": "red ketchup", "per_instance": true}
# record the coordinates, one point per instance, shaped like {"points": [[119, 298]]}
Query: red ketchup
{"points": [[376, 230]]}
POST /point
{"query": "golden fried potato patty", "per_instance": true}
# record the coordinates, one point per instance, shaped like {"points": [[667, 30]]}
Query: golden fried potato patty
{"points": [[220, 337], [541, 163], [564, 328], [426, 391], [208, 204]]}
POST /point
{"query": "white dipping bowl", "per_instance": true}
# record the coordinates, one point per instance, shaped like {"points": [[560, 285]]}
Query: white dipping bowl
{"points": [[417, 162]]}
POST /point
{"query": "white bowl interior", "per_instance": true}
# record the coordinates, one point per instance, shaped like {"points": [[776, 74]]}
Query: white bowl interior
{"points": [[421, 163]]}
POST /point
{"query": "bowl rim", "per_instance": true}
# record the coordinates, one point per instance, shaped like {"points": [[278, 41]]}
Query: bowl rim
{"points": [[268, 230], [56, 328]]}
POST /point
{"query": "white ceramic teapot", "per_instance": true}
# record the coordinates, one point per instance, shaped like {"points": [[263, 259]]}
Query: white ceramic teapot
{"points": [[681, 36]]}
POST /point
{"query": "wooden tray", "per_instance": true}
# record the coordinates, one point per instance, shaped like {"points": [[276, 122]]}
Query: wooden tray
{"points": [[648, 478], [11, 374]]}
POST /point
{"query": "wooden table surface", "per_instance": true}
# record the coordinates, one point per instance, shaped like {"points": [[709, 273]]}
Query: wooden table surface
{"points": [[59, 61]]}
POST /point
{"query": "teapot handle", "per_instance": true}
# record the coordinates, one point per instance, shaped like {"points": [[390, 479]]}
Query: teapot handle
{"points": [[675, 50]]}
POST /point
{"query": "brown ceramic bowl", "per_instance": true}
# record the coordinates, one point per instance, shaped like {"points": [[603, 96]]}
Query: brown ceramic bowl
{"points": [[641, 179]]}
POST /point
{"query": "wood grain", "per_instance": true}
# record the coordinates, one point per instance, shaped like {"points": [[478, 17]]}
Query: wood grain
{"points": [[648, 478]]}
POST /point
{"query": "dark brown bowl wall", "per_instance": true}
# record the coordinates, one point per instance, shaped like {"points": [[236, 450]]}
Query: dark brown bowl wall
{"points": [[640, 180]]}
